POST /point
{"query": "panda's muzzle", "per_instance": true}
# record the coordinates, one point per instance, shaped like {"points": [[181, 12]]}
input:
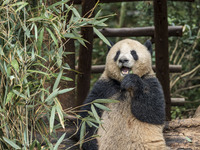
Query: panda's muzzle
{"points": [[124, 65]]}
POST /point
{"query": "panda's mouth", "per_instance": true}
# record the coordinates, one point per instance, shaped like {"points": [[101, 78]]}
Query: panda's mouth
{"points": [[125, 71]]}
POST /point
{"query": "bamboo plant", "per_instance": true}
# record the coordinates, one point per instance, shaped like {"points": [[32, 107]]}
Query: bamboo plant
{"points": [[31, 52]]}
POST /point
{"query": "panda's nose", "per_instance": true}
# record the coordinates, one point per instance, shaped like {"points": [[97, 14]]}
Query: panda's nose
{"points": [[123, 60]]}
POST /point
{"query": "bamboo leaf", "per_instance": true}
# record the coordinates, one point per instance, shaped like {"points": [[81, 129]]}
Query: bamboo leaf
{"points": [[33, 145], [37, 19], [36, 32], [76, 36], [11, 143], [40, 41], [188, 139], [65, 90], [60, 115], [101, 36], [63, 77], [39, 64], [90, 113], [32, 54], [25, 136], [18, 3], [76, 13], [89, 123], [22, 6], [9, 97], [39, 72], [95, 113], [66, 78], [97, 14], [52, 95], [15, 65], [5, 2], [105, 101], [52, 36], [82, 133], [101, 22], [19, 94], [92, 124], [59, 141], [57, 80], [102, 107], [58, 3], [51, 121], [1, 51]]}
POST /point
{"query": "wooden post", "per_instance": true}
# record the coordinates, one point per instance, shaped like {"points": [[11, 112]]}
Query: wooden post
{"points": [[85, 55], [161, 49], [68, 99]]}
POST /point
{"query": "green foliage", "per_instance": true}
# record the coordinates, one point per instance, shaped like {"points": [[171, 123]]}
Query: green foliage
{"points": [[176, 112], [31, 68], [185, 51], [93, 118]]}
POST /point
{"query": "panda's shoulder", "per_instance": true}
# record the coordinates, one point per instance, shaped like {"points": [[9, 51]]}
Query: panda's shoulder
{"points": [[106, 85], [151, 80]]}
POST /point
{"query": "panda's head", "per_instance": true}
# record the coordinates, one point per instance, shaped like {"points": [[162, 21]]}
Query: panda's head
{"points": [[128, 56]]}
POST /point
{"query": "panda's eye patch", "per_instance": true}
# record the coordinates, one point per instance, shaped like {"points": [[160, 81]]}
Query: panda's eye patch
{"points": [[117, 55], [134, 54]]}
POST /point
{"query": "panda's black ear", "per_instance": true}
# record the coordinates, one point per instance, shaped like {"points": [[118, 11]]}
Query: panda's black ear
{"points": [[148, 44], [109, 47]]}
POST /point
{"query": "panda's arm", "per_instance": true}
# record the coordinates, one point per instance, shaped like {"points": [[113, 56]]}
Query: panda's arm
{"points": [[101, 90], [148, 104]]}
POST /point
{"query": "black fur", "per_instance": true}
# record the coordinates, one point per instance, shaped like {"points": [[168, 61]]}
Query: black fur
{"points": [[148, 44], [117, 55], [148, 104], [134, 54], [101, 90]]}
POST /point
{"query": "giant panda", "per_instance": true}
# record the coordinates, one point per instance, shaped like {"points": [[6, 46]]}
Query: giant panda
{"points": [[136, 121]]}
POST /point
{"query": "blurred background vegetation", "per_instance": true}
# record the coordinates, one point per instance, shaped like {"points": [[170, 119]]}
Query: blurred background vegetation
{"points": [[31, 52]]}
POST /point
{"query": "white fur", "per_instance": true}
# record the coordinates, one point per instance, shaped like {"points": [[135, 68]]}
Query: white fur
{"points": [[121, 130], [139, 67]]}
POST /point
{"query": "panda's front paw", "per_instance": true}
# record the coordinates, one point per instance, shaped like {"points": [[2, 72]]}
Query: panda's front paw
{"points": [[131, 82]]}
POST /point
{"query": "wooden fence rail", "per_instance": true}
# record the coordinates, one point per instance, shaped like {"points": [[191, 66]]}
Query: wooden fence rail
{"points": [[138, 31], [114, 1], [100, 68]]}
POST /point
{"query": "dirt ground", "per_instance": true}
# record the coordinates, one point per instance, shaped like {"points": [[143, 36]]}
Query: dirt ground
{"points": [[181, 134]]}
